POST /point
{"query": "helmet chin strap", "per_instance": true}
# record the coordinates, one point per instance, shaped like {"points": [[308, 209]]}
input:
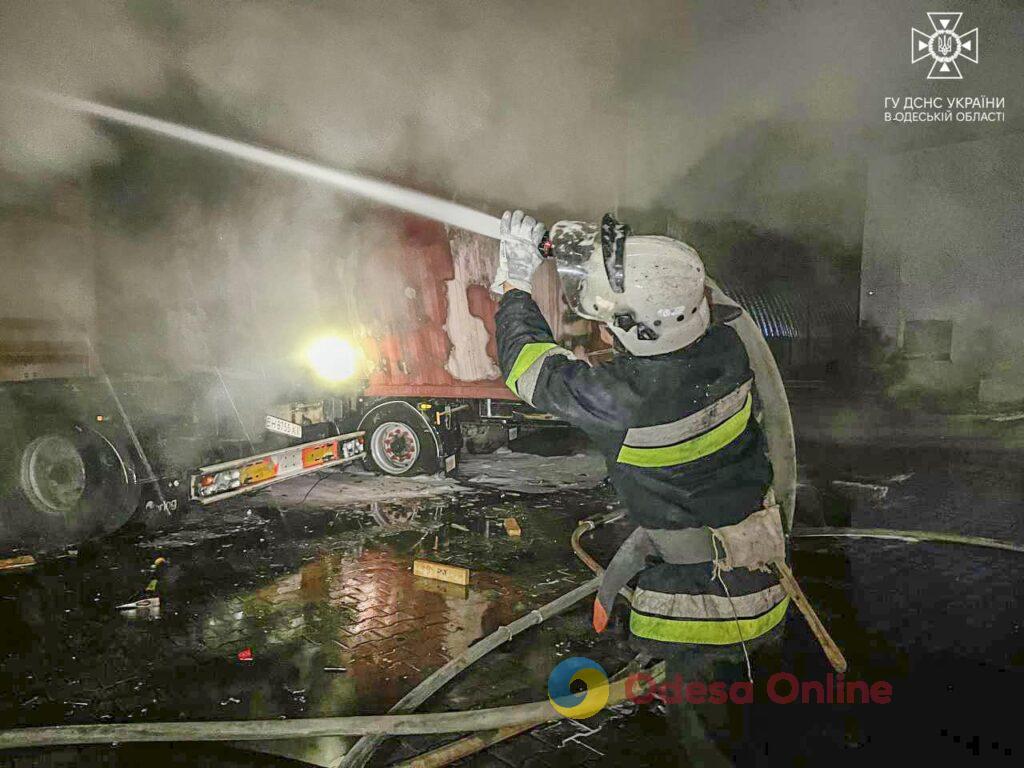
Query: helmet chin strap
{"points": [[626, 322]]}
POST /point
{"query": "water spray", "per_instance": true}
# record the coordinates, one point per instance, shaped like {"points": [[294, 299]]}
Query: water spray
{"points": [[405, 199], [422, 204]]}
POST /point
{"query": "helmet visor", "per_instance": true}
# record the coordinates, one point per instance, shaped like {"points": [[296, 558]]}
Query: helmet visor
{"points": [[573, 244]]}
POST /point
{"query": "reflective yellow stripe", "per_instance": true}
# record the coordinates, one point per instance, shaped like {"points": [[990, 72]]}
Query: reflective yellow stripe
{"points": [[689, 450], [722, 632], [527, 356]]}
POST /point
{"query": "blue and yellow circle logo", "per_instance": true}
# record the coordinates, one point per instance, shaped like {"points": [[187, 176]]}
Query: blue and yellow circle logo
{"points": [[585, 703]]}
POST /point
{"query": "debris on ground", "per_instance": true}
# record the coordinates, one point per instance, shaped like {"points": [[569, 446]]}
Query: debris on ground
{"points": [[453, 574], [512, 527], [356, 486], [201, 531], [328, 593], [529, 473], [17, 563], [148, 602]]}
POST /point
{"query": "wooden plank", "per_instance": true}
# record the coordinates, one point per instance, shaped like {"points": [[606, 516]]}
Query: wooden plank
{"points": [[441, 571], [16, 563], [512, 527]]}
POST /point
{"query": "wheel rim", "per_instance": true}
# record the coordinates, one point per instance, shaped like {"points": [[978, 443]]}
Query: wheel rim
{"points": [[395, 447], [53, 474]]}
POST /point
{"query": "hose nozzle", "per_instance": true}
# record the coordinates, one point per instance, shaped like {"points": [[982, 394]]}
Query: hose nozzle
{"points": [[545, 247]]}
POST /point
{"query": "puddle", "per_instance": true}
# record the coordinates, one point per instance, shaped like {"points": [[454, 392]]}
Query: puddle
{"points": [[323, 598]]}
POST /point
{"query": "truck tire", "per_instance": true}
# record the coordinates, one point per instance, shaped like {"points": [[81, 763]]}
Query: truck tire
{"points": [[400, 440], [63, 484]]}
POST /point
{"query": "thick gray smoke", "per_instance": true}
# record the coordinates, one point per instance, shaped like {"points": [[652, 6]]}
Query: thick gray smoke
{"points": [[706, 113], [569, 108]]}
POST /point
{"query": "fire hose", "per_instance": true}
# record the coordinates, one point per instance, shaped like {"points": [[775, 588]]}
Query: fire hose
{"points": [[894, 534], [469, 745], [776, 420], [313, 727], [374, 728], [408, 724], [778, 426], [379, 726]]}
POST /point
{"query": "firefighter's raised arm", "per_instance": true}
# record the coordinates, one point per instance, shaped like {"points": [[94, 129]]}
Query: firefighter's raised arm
{"points": [[535, 368]]}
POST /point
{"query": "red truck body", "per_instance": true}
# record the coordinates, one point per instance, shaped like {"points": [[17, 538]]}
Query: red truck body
{"points": [[441, 342]]}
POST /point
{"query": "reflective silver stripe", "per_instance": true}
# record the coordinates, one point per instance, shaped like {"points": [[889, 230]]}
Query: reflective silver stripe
{"points": [[692, 425], [707, 606], [527, 382]]}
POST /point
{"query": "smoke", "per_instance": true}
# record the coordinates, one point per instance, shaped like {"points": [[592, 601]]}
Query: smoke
{"points": [[715, 112], [484, 101], [59, 46], [569, 108], [770, 113]]}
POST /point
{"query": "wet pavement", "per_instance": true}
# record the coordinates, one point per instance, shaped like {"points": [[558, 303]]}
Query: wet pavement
{"points": [[318, 590]]}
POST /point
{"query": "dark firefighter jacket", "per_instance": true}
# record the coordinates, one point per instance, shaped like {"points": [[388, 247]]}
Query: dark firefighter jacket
{"points": [[682, 451]]}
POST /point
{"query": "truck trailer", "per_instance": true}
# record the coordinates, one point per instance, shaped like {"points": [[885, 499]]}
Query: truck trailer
{"points": [[96, 424]]}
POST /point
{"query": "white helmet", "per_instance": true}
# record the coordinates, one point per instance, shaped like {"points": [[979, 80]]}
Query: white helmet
{"points": [[648, 289]]}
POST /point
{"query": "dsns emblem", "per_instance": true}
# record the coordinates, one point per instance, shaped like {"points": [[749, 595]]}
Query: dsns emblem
{"points": [[944, 45]]}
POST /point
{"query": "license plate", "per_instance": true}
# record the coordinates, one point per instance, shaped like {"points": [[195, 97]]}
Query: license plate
{"points": [[513, 433], [449, 463], [282, 427]]}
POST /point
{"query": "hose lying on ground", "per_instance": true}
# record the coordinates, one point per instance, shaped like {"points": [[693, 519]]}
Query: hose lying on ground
{"points": [[586, 526], [779, 430], [470, 745], [265, 730], [898, 535], [362, 749], [376, 727], [535, 712]]}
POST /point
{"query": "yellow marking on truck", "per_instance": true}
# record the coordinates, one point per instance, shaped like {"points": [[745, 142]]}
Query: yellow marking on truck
{"points": [[258, 471], [319, 454]]}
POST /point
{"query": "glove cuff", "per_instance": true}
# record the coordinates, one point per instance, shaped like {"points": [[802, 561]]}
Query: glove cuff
{"points": [[522, 285]]}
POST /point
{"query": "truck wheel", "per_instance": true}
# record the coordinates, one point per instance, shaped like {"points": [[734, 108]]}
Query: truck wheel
{"points": [[66, 485], [400, 441]]}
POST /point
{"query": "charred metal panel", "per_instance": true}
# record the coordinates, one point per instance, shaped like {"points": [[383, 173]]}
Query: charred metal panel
{"points": [[440, 342]]}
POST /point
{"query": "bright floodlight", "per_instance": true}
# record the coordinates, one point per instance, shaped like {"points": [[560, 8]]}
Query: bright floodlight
{"points": [[332, 358]]}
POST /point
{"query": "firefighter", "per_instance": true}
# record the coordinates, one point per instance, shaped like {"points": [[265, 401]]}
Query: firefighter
{"points": [[672, 416]]}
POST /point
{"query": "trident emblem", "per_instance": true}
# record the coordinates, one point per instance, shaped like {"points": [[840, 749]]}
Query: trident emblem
{"points": [[944, 46]]}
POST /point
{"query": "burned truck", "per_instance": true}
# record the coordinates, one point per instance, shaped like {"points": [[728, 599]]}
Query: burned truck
{"points": [[139, 387]]}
